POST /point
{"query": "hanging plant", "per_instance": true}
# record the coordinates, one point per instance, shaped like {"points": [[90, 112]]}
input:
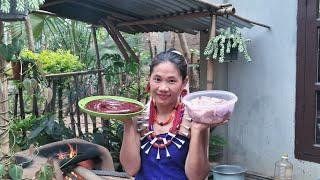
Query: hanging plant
{"points": [[228, 39], [11, 10]]}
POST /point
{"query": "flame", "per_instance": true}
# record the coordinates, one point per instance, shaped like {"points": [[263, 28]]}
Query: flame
{"points": [[61, 155], [72, 153]]}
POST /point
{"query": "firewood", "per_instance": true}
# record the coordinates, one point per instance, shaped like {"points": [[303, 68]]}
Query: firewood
{"points": [[85, 173]]}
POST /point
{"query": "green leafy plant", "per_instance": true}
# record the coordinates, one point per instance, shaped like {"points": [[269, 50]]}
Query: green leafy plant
{"points": [[42, 130], [15, 172], [21, 5], [34, 81], [46, 172], [122, 77], [2, 171], [59, 61], [227, 39], [10, 52]]}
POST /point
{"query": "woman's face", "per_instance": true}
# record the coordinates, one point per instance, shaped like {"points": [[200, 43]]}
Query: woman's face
{"points": [[166, 84]]}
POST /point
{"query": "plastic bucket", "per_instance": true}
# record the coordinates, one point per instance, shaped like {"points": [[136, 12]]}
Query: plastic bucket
{"points": [[228, 172]]}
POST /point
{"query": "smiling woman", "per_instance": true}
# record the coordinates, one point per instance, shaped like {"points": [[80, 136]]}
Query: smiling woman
{"points": [[164, 143]]}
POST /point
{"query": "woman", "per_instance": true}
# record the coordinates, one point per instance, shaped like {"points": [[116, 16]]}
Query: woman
{"points": [[166, 144]]}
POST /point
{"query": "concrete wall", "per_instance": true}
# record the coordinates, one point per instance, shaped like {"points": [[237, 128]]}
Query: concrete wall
{"points": [[262, 127]]}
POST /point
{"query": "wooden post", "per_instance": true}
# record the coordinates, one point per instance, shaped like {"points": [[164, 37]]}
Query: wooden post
{"points": [[21, 102], [100, 82], [15, 106], [73, 126], [35, 109], [54, 95], [150, 49], [172, 39], [4, 120], [155, 50], [184, 45], [60, 109], [94, 123], [1, 32], [210, 63], [204, 35], [86, 127], [31, 47], [77, 107], [4, 107], [165, 45], [29, 32]]}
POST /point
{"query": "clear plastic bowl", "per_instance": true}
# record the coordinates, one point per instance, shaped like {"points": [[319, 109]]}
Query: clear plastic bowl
{"points": [[210, 113]]}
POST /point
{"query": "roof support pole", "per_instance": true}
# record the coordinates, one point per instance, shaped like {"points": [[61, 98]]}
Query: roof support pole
{"points": [[210, 63], [4, 108], [100, 82], [31, 47], [117, 41], [204, 37], [123, 41]]}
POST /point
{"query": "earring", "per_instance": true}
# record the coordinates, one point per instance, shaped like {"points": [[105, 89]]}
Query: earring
{"points": [[147, 89], [184, 92]]}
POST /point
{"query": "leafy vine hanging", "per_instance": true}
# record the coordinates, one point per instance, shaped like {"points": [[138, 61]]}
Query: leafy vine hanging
{"points": [[223, 43]]}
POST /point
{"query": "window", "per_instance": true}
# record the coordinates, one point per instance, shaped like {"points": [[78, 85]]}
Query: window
{"points": [[307, 139]]}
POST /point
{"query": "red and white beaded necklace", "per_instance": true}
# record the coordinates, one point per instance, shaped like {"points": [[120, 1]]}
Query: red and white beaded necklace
{"points": [[159, 142]]}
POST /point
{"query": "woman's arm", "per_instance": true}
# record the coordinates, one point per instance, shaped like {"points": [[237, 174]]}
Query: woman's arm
{"points": [[197, 163], [130, 149]]}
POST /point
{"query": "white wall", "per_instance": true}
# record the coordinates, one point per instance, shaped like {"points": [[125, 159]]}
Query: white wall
{"points": [[262, 127]]}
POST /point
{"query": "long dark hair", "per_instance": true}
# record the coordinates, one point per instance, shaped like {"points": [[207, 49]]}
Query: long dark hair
{"points": [[174, 57]]}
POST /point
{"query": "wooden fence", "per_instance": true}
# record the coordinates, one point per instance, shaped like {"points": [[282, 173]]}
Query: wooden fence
{"points": [[67, 90]]}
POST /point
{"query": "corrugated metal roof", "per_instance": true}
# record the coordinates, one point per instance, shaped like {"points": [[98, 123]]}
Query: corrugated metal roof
{"points": [[120, 11]]}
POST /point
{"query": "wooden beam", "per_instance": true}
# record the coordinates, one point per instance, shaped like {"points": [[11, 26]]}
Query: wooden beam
{"points": [[165, 19], [180, 29], [123, 41], [95, 42], [73, 73], [116, 40]]}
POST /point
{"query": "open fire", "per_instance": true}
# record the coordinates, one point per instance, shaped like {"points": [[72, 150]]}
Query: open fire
{"points": [[64, 155], [69, 156]]}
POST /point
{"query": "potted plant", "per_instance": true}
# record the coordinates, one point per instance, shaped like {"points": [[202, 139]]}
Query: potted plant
{"points": [[12, 10], [226, 45]]}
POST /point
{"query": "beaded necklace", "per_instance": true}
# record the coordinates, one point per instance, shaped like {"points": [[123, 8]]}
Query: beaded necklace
{"points": [[159, 142]]}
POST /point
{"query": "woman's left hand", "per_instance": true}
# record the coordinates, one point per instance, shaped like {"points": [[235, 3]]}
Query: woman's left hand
{"points": [[202, 126]]}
